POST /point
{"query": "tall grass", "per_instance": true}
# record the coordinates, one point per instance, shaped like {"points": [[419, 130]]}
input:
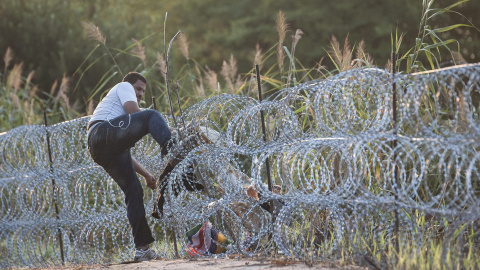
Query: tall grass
{"points": [[427, 50], [197, 82], [23, 104]]}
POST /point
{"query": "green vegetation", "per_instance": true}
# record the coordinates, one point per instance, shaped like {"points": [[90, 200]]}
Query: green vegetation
{"points": [[61, 56], [57, 66]]}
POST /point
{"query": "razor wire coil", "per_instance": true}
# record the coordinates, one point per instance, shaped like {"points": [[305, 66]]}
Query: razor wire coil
{"points": [[332, 150]]}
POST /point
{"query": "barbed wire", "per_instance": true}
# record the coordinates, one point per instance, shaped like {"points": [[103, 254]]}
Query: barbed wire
{"points": [[340, 166]]}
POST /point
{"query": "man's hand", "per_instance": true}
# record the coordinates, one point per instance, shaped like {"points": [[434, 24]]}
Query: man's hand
{"points": [[149, 179], [151, 182]]}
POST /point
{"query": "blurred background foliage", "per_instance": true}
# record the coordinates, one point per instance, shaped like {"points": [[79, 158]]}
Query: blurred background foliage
{"points": [[47, 40]]}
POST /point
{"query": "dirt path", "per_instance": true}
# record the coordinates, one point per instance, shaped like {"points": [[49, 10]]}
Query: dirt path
{"points": [[212, 263]]}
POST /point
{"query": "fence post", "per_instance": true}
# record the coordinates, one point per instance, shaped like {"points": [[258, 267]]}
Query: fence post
{"points": [[267, 162], [394, 146], [154, 103], [174, 235], [53, 185]]}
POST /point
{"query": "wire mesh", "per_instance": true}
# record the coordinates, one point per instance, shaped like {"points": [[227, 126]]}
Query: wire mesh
{"points": [[330, 146]]}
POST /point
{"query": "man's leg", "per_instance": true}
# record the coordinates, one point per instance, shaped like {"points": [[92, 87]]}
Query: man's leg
{"points": [[124, 131], [116, 136], [120, 168]]}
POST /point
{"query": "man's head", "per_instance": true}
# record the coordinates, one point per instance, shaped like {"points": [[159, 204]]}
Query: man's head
{"points": [[139, 83]]}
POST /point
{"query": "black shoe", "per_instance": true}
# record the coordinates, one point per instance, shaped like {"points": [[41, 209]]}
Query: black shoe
{"points": [[189, 182], [166, 147], [157, 211]]}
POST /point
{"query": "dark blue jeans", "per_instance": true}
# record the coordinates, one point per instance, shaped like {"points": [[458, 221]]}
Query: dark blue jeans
{"points": [[109, 145]]}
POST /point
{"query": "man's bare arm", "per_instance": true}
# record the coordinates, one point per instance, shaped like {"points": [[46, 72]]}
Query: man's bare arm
{"points": [[149, 179], [131, 107]]}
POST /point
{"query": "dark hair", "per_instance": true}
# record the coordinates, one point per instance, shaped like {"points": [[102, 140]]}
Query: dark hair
{"points": [[133, 77]]}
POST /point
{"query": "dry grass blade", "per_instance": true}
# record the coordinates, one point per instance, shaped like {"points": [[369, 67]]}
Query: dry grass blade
{"points": [[335, 50], [211, 79], [458, 58], [15, 100], [399, 42], [63, 91], [388, 65], [54, 87], [29, 77], [280, 56], [229, 71], [28, 109], [8, 57], [320, 68], [361, 55], [161, 65], [225, 72], [239, 83], [33, 91], [258, 59], [341, 57], [139, 51], [282, 28], [347, 55], [15, 77], [199, 87], [183, 45], [297, 37], [93, 32], [90, 107]]}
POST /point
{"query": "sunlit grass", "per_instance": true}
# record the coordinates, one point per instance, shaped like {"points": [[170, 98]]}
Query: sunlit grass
{"points": [[22, 104]]}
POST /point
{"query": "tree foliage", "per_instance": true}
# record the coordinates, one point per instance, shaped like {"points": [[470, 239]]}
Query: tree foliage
{"points": [[48, 37]]}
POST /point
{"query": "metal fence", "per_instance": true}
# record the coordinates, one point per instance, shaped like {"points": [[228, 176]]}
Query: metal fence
{"points": [[349, 164]]}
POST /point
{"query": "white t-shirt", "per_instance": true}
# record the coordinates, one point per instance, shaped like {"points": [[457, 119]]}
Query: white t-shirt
{"points": [[111, 105]]}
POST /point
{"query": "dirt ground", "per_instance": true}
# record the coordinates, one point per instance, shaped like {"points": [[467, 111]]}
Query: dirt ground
{"points": [[235, 263]]}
